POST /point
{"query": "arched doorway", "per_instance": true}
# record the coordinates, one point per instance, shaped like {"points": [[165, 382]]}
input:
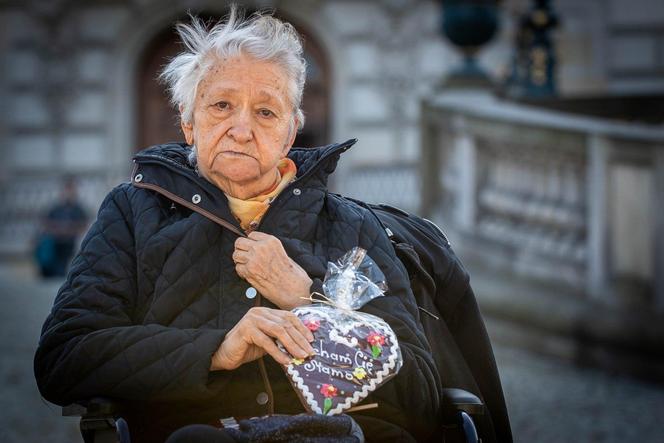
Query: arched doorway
{"points": [[158, 121]]}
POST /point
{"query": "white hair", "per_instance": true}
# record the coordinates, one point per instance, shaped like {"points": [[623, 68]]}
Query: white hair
{"points": [[261, 36]]}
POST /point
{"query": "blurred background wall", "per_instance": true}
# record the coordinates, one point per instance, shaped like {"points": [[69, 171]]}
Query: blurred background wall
{"points": [[531, 131], [78, 83]]}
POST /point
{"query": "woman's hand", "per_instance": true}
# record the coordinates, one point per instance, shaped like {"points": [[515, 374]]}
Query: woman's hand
{"points": [[262, 261], [253, 336]]}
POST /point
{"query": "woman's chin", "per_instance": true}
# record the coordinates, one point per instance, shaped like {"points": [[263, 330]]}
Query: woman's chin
{"points": [[237, 177], [237, 168]]}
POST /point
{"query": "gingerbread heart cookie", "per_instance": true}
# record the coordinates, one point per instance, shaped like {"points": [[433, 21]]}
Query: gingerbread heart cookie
{"points": [[355, 354]]}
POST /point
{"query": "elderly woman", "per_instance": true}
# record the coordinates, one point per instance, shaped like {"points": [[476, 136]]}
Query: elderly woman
{"points": [[186, 279]]}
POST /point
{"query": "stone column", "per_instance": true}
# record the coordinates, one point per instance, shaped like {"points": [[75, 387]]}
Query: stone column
{"points": [[429, 161], [597, 226], [659, 228], [466, 157]]}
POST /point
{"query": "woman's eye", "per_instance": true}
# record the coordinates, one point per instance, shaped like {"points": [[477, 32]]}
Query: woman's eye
{"points": [[266, 113], [221, 105]]}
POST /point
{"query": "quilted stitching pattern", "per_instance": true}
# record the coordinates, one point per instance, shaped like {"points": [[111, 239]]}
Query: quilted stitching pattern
{"points": [[153, 292]]}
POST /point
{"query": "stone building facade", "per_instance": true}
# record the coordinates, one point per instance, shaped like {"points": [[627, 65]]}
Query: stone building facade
{"points": [[74, 82]]}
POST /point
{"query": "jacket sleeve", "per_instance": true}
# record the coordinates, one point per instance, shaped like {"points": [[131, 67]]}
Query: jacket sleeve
{"points": [[91, 346], [411, 398]]}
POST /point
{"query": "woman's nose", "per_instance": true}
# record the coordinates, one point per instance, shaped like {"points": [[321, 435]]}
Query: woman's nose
{"points": [[241, 129]]}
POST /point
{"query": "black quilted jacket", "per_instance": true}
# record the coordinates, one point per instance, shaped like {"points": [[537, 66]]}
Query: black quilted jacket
{"points": [[153, 291]]}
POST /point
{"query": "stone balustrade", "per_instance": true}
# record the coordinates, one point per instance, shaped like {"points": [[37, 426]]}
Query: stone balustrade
{"points": [[560, 197]]}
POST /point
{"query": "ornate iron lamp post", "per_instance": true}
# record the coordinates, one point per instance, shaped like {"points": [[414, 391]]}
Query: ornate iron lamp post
{"points": [[533, 66]]}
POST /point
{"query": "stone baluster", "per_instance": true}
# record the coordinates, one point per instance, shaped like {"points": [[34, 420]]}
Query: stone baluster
{"points": [[659, 228], [598, 152], [466, 151], [430, 163]]}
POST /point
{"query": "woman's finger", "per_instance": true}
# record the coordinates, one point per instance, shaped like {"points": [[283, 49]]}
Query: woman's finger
{"points": [[295, 328], [301, 327], [285, 333], [300, 338], [240, 256], [241, 270], [243, 244], [266, 343], [298, 325]]}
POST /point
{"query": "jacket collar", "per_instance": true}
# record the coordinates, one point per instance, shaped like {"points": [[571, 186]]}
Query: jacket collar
{"points": [[312, 163], [166, 170]]}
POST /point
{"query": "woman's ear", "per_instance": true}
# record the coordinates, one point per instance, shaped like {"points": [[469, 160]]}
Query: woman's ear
{"points": [[187, 129], [292, 133]]}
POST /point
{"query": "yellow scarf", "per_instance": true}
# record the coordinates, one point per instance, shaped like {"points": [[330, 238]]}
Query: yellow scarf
{"points": [[249, 212]]}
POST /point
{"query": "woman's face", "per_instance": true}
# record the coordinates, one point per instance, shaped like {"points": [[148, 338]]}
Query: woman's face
{"points": [[243, 124]]}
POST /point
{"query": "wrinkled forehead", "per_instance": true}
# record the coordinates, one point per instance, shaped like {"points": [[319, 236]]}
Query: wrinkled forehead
{"points": [[241, 75]]}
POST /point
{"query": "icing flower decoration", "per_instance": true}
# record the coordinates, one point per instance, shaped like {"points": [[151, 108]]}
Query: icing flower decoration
{"points": [[359, 373], [376, 341], [328, 392], [312, 325]]}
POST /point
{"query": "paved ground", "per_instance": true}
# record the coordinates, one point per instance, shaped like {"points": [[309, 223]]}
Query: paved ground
{"points": [[25, 416], [548, 400]]}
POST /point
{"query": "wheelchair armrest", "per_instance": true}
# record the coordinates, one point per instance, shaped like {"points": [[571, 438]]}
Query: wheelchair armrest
{"points": [[94, 407], [100, 421], [460, 400]]}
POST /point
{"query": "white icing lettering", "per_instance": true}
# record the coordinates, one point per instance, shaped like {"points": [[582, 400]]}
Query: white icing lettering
{"points": [[343, 359], [316, 366]]}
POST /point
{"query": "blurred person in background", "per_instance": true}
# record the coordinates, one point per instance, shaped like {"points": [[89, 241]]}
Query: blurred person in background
{"points": [[61, 226]]}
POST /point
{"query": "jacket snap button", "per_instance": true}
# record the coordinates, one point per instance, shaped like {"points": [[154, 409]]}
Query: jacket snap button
{"points": [[250, 292], [262, 398], [196, 199], [297, 191], [138, 177]]}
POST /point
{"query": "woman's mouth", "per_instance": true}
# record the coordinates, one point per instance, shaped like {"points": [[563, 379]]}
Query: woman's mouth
{"points": [[235, 154]]}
